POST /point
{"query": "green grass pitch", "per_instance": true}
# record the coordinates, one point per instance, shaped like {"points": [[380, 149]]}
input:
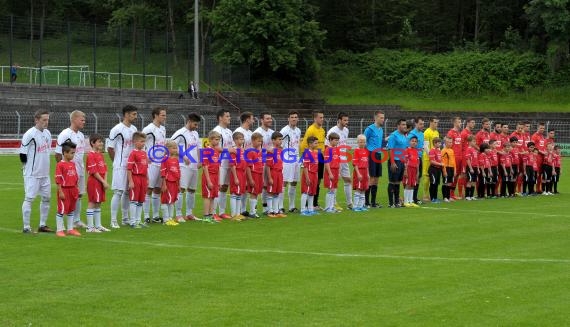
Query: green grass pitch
{"points": [[487, 263]]}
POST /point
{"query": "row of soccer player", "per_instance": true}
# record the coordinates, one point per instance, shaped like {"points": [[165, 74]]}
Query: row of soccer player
{"points": [[36, 145]]}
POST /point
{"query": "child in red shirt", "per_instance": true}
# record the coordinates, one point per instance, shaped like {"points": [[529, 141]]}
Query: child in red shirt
{"points": [[435, 169], [210, 158], [309, 176], [556, 173], [238, 181], [96, 183], [67, 191], [548, 169], [471, 167], [137, 174], [411, 172], [254, 172], [485, 172], [508, 179], [530, 162], [494, 180], [360, 176], [170, 175], [332, 170], [274, 173]]}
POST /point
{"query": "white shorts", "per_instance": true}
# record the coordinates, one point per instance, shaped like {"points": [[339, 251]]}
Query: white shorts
{"points": [[344, 170], [224, 176], [120, 181], [291, 172], [154, 179], [188, 177], [34, 186], [81, 184]]}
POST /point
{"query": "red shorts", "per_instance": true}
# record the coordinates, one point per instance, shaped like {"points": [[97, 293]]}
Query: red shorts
{"points": [[363, 184], [258, 184], [67, 205], [210, 193], [242, 187], [95, 190], [460, 165], [138, 192], [171, 194], [412, 178], [277, 186], [309, 189], [331, 183]]}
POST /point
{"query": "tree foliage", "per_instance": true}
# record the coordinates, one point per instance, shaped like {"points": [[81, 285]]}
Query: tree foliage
{"points": [[273, 37]]}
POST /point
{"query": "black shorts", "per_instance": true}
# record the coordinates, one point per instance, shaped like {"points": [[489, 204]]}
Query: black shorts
{"points": [[375, 164], [507, 177], [530, 175], [434, 175], [450, 174], [515, 169], [547, 173], [472, 176], [486, 179], [495, 177], [398, 175], [321, 166]]}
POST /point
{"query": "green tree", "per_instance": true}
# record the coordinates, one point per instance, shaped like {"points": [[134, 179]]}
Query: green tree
{"points": [[279, 38]]}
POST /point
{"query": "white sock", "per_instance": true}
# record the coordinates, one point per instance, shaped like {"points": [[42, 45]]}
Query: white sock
{"points": [[70, 221], [310, 200], [77, 212], [239, 208], [179, 204], [126, 206], [97, 217], [243, 203], [333, 197], [276, 200], [44, 211], [59, 223], [26, 212], [291, 193], [356, 199], [133, 213], [270, 198], [90, 218], [146, 206], [264, 200], [170, 209], [328, 199], [280, 199], [115, 204], [304, 198], [348, 193], [155, 202], [165, 213], [252, 206], [139, 213], [222, 202], [190, 200], [233, 204]]}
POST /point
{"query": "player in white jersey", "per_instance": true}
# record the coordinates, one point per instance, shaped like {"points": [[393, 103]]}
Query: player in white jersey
{"points": [[155, 141], [265, 121], [341, 128], [34, 155], [291, 166], [119, 148], [189, 146], [247, 121], [227, 143], [74, 134]]}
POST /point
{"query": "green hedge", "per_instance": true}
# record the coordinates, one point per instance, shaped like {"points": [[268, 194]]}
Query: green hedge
{"points": [[451, 73]]}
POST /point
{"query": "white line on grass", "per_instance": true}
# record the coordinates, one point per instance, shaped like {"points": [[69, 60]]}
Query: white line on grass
{"points": [[499, 211], [322, 254]]}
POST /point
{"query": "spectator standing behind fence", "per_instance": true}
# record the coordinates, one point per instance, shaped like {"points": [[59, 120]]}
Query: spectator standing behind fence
{"points": [[193, 90], [14, 73]]}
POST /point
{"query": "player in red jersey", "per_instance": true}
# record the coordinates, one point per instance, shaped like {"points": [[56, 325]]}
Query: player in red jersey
{"points": [[332, 171], [411, 172], [485, 172], [238, 181], [548, 169], [557, 167], [465, 133], [96, 183], [540, 144], [66, 179], [494, 135], [484, 136], [435, 169], [493, 180], [471, 168], [516, 155], [360, 176], [457, 146], [254, 172], [309, 176], [137, 175], [274, 173], [170, 183], [210, 158], [508, 178], [529, 161]]}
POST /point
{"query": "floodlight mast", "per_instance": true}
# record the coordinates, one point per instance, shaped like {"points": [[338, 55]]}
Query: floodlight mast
{"points": [[196, 52]]}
